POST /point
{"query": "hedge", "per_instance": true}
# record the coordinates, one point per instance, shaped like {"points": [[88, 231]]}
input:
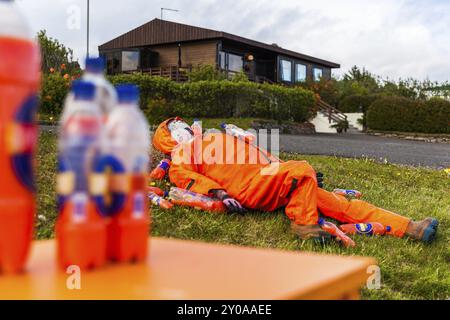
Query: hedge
{"points": [[357, 103], [53, 92], [162, 98], [406, 115]]}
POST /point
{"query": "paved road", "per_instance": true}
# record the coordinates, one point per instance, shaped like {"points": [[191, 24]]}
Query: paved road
{"points": [[399, 151]]}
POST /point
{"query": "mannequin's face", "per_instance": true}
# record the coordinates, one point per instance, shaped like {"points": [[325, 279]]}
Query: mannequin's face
{"points": [[181, 132]]}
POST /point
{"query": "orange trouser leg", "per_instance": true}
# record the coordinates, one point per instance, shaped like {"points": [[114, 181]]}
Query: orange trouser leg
{"points": [[293, 186], [302, 206], [357, 211]]}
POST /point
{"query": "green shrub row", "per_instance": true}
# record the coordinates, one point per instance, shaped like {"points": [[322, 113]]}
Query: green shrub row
{"points": [[357, 103], [162, 98], [407, 115]]}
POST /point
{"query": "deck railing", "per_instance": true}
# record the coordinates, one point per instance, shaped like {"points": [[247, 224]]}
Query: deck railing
{"points": [[174, 73]]}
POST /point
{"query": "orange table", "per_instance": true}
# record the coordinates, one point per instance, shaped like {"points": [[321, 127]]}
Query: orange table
{"points": [[192, 270]]}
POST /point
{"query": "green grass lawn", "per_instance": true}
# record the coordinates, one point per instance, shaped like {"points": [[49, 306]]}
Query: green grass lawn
{"points": [[410, 270]]}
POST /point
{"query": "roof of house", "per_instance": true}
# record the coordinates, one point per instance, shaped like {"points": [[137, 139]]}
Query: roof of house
{"points": [[158, 32]]}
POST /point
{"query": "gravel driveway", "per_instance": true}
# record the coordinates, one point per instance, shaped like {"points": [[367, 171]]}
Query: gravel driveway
{"points": [[394, 150]]}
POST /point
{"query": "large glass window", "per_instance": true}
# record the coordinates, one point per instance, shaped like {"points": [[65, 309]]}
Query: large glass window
{"points": [[235, 62], [300, 72], [286, 70], [231, 62], [130, 60], [318, 73], [113, 62], [222, 60]]}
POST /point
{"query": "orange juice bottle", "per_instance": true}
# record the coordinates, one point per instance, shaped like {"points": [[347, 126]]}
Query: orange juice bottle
{"points": [[19, 84], [336, 232], [182, 197], [127, 137], [80, 228], [368, 229], [159, 201], [161, 170], [197, 128]]}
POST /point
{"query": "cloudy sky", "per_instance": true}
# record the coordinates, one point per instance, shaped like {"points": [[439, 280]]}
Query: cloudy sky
{"points": [[392, 38]]}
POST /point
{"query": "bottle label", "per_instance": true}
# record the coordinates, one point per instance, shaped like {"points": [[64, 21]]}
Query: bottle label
{"points": [[363, 228], [98, 184], [79, 201], [138, 205], [65, 183], [21, 139]]}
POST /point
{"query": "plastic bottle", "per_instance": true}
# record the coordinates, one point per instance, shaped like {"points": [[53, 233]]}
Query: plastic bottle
{"points": [[161, 170], [127, 135], [212, 131], [80, 230], [237, 132], [105, 95], [191, 199], [156, 191], [369, 229], [348, 193], [19, 85], [159, 201], [197, 128], [336, 232]]}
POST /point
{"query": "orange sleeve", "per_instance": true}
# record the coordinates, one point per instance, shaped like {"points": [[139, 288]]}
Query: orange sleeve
{"points": [[185, 175]]}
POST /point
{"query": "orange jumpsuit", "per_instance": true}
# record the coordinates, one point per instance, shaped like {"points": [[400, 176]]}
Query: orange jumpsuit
{"points": [[258, 180]]}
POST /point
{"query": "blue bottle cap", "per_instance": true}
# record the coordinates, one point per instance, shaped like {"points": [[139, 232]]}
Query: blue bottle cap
{"points": [[95, 65], [83, 90], [388, 229], [127, 93]]}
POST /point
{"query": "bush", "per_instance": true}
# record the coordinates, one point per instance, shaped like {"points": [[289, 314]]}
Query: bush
{"points": [[53, 92], [205, 72], [150, 87], [437, 117], [357, 103], [407, 115], [162, 98]]}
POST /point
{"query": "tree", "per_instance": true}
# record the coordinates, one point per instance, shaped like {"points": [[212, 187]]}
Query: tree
{"points": [[56, 57], [359, 82]]}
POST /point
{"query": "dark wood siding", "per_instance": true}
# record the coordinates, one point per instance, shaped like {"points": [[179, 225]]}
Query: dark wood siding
{"points": [[191, 53], [159, 32]]}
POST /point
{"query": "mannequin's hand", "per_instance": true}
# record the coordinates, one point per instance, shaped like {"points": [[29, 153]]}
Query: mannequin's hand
{"points": [[232, 205]]}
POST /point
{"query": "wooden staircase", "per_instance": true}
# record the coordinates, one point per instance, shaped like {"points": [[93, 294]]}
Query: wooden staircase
{"points": [[332, 113], [327, 116]]}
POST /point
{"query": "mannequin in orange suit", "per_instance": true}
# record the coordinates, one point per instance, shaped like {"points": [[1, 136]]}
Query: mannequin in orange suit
{"points": [[268, 184]]}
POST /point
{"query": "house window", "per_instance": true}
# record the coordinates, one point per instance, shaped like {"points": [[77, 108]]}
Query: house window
{"points": [[231, 62], [130, 60], [286, 70], [300, 72], [222, 60], [113, 62], [318, 73], [235, 62]]}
